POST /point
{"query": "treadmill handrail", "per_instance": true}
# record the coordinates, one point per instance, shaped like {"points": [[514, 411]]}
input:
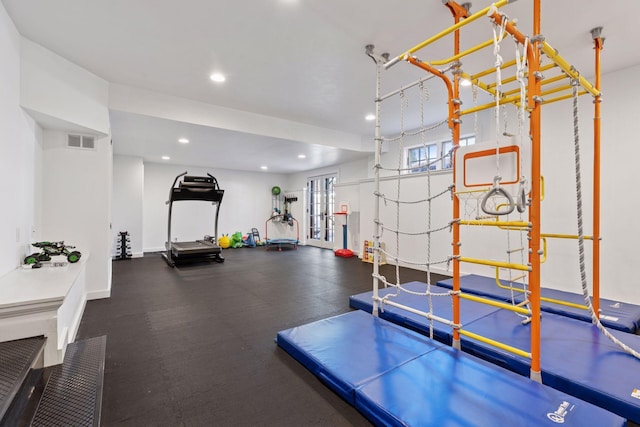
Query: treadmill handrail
{"points": [[173, 185]]}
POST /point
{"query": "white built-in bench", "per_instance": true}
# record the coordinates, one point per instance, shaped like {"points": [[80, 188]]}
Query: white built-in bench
{"points": [[45, 301]]}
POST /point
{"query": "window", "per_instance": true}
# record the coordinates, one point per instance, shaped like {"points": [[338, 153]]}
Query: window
{"points": [[447, 161], [422, 156]]}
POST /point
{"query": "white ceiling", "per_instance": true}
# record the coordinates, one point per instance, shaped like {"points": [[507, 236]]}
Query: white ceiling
{"points": [[299, 60]]}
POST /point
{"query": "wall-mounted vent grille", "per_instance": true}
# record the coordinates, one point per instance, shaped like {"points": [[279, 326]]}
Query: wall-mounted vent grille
{"points": [[81, 141]]}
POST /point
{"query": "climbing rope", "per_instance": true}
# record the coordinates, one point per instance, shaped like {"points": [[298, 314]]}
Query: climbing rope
{"points": [[496, 191], [583, 270], [521, 71]]}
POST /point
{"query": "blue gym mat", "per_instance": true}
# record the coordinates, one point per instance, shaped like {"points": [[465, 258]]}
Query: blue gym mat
{"points": [[347, 351], [613, 314], [442, 307], [398, 377], [576, 358]]}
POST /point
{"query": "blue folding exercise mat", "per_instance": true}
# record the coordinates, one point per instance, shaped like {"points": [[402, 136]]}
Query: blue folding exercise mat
{"points": [[348, 350], [442, 307], [613, 314], [449, 388], [398, 377], [576, 358]]}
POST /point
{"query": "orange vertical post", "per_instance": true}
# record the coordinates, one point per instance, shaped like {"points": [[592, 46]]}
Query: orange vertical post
{"points": [[535, 106], [459, 13], [598, 44], [534, 102]]}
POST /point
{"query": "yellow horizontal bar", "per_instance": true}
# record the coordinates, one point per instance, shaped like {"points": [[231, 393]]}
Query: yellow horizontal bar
{"points": [[480, 190], [464, 53], [449, 30], [494, 303], [563, 97], [553, 79], [560, 302], [493, 70], [495, 343], [564, 236], [492, 263], [507, 100], [514, 78], [553, 55], [551, 300], [555, 90], [515, 224], [544, 82]]}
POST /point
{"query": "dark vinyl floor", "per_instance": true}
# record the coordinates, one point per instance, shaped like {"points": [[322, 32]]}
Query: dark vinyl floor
{"points": [[194, 346]]}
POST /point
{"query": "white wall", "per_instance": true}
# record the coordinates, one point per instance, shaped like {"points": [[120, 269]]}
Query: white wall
{"points": [[246, 204], [76, 184], [20, 157], [128, 196], [346, 172], [76, 203], [54, 88], [619, 205]]}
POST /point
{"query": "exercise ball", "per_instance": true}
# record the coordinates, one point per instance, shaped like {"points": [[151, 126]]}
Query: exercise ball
{"points": [[275, 190]]}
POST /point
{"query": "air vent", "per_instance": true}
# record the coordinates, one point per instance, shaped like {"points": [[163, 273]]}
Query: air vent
{"points": [[81, 141]]}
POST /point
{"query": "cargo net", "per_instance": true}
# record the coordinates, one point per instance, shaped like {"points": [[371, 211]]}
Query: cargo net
{"points": [[399, 202]]}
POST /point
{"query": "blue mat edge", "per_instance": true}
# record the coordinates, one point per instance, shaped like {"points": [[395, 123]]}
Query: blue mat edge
{"points": [[512, 363], [312, 365], [446, 283]]}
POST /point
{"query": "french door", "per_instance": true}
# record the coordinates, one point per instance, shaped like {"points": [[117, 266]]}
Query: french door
{"points": [[320, 203]]}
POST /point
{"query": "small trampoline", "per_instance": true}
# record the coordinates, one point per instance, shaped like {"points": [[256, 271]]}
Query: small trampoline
{"points": [[287, 225]]}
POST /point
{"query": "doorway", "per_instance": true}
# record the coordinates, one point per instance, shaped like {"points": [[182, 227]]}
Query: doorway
{"points": [[320, 205]]}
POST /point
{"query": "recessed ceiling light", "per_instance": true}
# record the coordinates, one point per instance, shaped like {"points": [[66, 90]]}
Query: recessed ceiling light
{"points": [[166, 158], [370, 117], [217, 77], [264, 168], [183, 141], [465, 82], [302, 156]]}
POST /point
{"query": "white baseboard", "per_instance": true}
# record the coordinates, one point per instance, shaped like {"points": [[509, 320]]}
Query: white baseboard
{"points": [[98, 295], [158, 249]]}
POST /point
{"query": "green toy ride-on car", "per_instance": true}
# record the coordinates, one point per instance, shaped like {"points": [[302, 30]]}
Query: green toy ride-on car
{"points": [[49, 249]]}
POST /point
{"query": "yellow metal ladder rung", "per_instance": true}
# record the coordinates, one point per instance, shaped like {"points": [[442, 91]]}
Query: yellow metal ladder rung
{"points": [[495, 343]]}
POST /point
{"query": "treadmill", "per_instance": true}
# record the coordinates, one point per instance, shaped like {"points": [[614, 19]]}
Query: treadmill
{"points": [[198, 188]]}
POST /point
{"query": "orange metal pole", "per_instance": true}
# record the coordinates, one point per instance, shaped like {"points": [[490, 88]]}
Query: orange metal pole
{"points": [[459, 13], [534, 102], [598, 45], [534, 210]]}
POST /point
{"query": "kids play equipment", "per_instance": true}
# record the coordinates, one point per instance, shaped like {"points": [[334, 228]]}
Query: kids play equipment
{"points": [[286, 229], [344, 252], [194, 188], [497, 188]]}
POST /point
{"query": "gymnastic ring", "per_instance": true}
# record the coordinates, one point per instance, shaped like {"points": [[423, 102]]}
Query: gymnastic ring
{"points": [[497, 191], [522, 200]]}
